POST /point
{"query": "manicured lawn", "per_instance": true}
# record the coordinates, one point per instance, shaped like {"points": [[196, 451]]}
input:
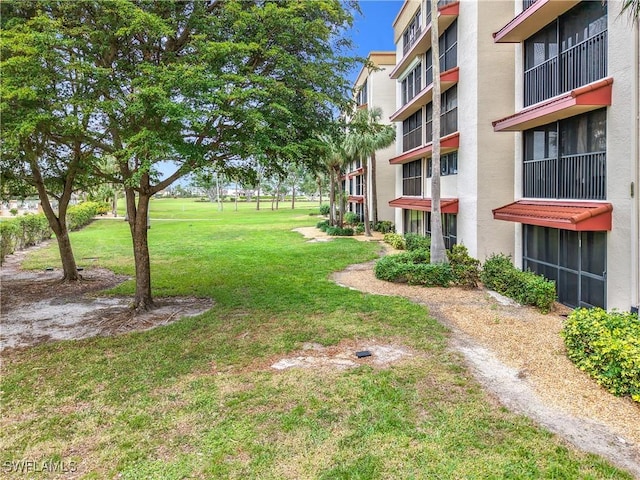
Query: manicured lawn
{"points": [[198, 398]]}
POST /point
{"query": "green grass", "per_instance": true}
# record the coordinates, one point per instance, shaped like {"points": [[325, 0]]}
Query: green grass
{"points": [[197, 399]]}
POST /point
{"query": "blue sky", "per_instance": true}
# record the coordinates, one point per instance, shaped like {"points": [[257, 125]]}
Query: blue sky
{"points": [[372, 30]]}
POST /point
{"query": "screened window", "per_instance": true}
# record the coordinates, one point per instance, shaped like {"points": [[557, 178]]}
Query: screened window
{"points": [[412, 178], [411, 85], [449, 228], [411, 34], [448, 44], [413, 222], [576, 261], [361, 96], [449, 116], [412, 131]]}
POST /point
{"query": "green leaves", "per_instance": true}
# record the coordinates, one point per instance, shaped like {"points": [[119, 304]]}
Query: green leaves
{"points": [[607, 346]]}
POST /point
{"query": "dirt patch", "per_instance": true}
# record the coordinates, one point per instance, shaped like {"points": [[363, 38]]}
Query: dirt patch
{"points": [[518, 355], [315, 235], [343, 356], [37, 307]]}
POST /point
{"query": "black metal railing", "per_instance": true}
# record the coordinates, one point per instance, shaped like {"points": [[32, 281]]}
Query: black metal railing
{"points": [[580, 176], [579, 65], [584, 63], [541, 82], [410, 39], [527, 3]]}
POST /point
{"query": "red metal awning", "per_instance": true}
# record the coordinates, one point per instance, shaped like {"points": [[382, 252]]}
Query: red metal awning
{"points": [[355, 173], [447, 205], [447, 144], [577, 216], [355, 199], [580, 100]]}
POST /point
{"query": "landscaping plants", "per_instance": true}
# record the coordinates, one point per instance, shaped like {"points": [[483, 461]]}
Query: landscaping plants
{"points": [[526, 288], [606, 345], [395, 240]]}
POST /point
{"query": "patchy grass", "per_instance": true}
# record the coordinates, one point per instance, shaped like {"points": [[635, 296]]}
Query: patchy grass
{"points": [[197, 399]]}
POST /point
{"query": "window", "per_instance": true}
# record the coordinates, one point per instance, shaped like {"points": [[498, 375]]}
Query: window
{"points": [[448, 165], [411, 34], [449, 228], [361, 96], [411, 85], [413, 222], [449, 116], [576, 261], [567, 159], [412, 178], [448, 52], [412, 131], [569, 53]]}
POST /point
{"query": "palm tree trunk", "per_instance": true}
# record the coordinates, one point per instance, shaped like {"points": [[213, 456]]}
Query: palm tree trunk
{"points": [[365, 198], [374, 191], [438, 251]]}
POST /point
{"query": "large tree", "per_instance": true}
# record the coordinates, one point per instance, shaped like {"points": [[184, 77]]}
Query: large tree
{"points": [[365, 136], [44, 111], [438, 250], [198, 83]]}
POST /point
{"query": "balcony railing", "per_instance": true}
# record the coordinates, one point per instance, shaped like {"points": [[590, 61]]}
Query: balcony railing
{"points": [[580, 177], [409, 40], [448, 124], [527, 3], [584, 63], [579, 65]]}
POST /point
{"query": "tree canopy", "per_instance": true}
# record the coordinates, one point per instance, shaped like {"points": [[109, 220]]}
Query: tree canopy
{"points": [[196, 83]]}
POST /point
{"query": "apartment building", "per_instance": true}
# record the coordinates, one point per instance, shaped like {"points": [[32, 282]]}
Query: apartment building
{"points": [[477, 163], [576, 210], [374, 88], [539, 138]]}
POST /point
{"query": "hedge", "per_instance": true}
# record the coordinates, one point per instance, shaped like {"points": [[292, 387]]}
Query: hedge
{"points": [[607, 347], [31, 229], [527, 288]]}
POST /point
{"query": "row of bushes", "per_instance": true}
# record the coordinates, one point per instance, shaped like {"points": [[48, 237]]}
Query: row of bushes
{"points": [[31, 229], [355, 226], [607, 347], [413, 267], [498, 272]]}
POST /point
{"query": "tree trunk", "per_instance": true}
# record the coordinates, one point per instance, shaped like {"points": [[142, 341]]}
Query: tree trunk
{"points": [[365, 198], [258, 197], [332, 199], [319, 182], [137, 216], [114, 205], [59, 223], [293, 197], [374, 190], [438, 251], [278, 196]]}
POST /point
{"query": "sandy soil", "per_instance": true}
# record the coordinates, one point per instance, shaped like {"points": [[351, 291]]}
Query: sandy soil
{"points": [[36, 307]]}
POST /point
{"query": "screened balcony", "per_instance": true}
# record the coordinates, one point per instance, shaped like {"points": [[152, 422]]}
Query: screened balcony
{"points": [[579, 65]]}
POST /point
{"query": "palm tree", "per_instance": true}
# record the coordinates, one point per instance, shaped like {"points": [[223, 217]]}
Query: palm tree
{"points": [[334, 160], [438, 251], [365, 136]]}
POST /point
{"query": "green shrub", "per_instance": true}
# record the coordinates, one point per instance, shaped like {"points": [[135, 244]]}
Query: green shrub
{"points": [[466, 269], [34, 229], [413, 268], [383, 226], [351, 218], [323, 225], [527, 288], [414, 241], [339, 232], [324, 209], [360, 229], [9, 237], [395, 240], [607, 347], [82, 214]]}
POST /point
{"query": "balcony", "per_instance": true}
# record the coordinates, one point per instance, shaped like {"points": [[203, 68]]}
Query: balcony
{"points": [[581, 176], [580, 100], [448, 144], [532, 19], [447, 13], [447, 80], [579, 65]]}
